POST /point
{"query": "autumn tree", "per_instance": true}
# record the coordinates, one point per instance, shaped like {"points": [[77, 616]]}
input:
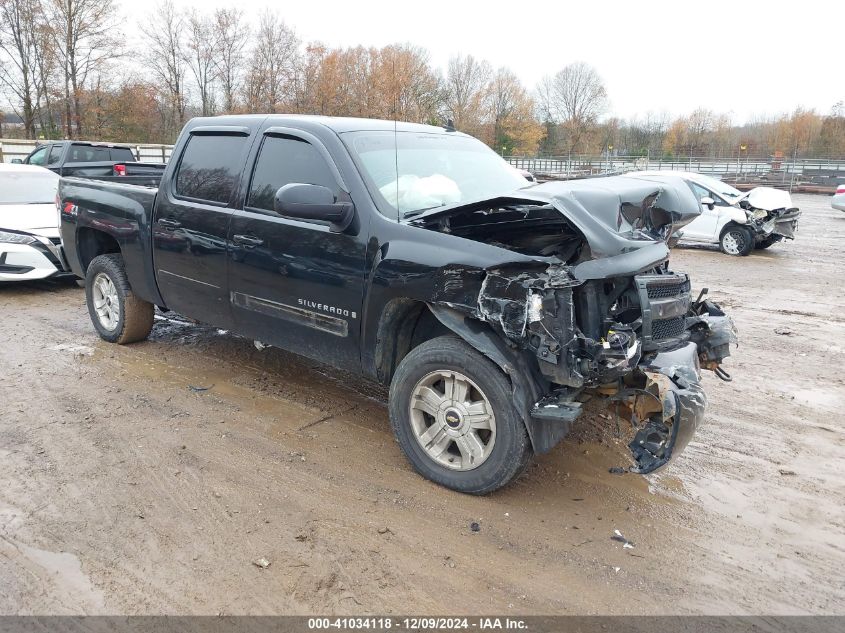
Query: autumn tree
{"points": [[201, 50], [468, 87], [85, 37], [511, 115], [410, 90], [271, 74], [165, 57], [573, 99], [231, 34], [18, 68]]}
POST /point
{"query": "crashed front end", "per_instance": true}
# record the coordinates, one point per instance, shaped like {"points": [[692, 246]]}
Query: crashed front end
{"points": [[770, 214], [640, 341], [604, 317]]}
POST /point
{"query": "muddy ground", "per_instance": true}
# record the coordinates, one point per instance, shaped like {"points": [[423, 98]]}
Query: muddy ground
{"points": [[125, 491]]}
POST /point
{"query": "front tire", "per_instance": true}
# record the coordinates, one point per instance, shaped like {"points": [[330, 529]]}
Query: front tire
{"points": [[452, 413], [119, 316], [736, 240]]}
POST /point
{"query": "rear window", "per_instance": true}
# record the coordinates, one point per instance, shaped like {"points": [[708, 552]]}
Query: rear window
{"points": [[88, 154], [123, 154], [210, 167]]}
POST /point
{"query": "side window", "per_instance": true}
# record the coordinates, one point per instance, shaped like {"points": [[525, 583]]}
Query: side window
{"points": [[700, 192], [55, 155], [39, 157], [283, 160], [210, 167]]}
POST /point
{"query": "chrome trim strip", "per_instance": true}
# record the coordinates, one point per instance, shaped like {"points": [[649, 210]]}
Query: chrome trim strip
{"points": [[293, 314], [196, 281]]}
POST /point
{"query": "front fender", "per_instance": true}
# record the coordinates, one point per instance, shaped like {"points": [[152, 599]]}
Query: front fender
{"points": [[527, 384]]}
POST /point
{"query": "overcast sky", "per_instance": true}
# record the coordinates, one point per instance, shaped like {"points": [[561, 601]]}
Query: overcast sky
{"points": [[745, 57]]}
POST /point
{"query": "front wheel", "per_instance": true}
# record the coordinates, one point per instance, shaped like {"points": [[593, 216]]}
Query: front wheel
{"points": [[736, 240], [119, 316], [452, 412]]}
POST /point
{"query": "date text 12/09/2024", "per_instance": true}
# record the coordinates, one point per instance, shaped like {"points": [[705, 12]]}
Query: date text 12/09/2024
{"points": [[417, 623]]}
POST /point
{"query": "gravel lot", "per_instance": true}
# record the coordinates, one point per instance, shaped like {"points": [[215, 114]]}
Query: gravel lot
{"points": [[125, 491]]}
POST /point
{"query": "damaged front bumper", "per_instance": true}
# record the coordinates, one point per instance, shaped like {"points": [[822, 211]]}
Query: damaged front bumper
{"points": [[659, 388], [781, 223], [669, 407]]}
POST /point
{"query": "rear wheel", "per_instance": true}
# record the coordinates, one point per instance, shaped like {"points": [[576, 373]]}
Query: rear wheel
{"points": [[736, 240], [118, 315], [452, 412]]}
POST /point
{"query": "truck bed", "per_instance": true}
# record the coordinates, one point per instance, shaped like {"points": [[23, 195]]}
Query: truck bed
{"points": [[134, 173], [121, 209]]}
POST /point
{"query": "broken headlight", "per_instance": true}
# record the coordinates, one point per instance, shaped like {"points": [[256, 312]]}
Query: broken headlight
{"points": [[759, 214], [15, 238]]}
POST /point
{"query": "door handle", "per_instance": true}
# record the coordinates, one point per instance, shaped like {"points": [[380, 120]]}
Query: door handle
{"points": [[247, 241], [169, 224]]}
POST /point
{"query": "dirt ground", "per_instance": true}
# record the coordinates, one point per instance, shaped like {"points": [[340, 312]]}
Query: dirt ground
{"points": [[125, 490]]}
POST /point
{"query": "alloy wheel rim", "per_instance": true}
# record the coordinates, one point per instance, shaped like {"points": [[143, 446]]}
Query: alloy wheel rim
{"points": [[106, 302], [452, 420], [733, 242]]}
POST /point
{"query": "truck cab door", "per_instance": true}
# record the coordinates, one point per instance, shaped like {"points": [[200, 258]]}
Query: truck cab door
{"points": [[191, 221], [296, 284]]}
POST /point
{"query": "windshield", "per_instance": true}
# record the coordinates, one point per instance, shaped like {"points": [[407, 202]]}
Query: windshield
{"points": [[434, 170], [718, 186], [26, 187]]}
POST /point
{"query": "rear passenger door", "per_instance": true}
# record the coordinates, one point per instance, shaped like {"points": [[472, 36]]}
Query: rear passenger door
{"points": [[293, 283], [191, 221]]}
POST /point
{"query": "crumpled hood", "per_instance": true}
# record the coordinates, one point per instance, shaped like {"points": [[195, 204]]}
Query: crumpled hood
{"points": [[767, 199], [38, 219], [615, 214]]}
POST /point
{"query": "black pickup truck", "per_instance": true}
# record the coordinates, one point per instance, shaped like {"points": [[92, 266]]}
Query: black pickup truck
{"points": [[415, 256], [103, 161]]}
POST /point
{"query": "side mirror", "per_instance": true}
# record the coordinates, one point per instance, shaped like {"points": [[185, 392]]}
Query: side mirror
{"points": [[313, 202], [708, 202], [17, 161]]}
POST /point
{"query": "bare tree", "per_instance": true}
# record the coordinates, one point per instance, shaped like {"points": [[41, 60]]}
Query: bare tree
{"points": [[272, 69], [165, 56], [47, 76], [231, 34], [468, 87], [17, 56], [201, 51], [574, 98], [85, 37]]}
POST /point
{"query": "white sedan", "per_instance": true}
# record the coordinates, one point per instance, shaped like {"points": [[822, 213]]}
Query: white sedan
{"points": [[738, 222], [30, 246]]}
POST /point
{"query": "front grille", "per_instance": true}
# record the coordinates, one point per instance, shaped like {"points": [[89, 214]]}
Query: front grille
{"points": [[667, 328], [660, 289]]}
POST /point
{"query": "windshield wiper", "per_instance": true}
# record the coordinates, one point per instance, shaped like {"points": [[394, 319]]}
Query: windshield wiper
{"points": [[409, 214]]}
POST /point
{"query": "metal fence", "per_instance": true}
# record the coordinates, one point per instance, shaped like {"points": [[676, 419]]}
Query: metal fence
{"points": [[11, 149], [773, 170]]}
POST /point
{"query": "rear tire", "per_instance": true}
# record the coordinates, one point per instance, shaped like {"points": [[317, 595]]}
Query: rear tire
{"points": [[452, 412], [118, 315], [736, 240]]}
